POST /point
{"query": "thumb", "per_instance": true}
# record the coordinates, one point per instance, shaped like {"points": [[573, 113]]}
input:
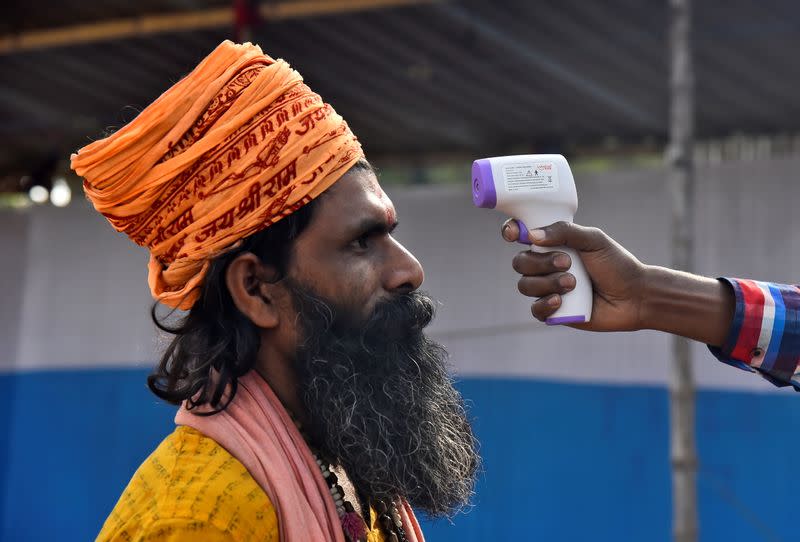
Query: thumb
{"points": [[570, 235]]}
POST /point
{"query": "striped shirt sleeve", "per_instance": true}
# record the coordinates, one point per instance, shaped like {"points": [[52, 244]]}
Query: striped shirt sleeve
{"points": [[765, 333]]}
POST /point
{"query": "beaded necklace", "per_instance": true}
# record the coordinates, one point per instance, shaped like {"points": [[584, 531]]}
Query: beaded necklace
{"points": [[354, 527]]}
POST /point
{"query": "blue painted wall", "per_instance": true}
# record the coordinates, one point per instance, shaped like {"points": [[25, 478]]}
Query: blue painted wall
{"points": [[561, 461]]}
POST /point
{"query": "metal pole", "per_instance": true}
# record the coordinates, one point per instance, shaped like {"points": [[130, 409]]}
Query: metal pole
{"points": [[681, 184]]}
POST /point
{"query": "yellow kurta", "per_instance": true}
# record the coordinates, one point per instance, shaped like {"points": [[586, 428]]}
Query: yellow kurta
{"points": [[190, 489]]}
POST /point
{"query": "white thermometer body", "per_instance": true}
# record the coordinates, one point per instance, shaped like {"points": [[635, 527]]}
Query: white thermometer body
{"points": [[537, 190]]}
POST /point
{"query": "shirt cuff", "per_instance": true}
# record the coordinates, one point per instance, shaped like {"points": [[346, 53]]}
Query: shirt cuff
{"points": [[765, 335]]}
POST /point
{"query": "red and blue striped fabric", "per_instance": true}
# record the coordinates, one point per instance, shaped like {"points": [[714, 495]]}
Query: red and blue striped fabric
{"points": [[765, 333]]}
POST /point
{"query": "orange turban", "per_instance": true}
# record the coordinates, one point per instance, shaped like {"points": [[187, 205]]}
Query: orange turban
{"points": [[233, 147]]}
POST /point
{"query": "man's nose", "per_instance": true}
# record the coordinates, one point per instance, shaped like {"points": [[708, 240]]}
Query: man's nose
{"points": [[404, 273]]}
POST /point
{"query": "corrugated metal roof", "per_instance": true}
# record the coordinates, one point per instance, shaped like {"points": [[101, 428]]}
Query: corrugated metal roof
{"points": [[470, 76]]}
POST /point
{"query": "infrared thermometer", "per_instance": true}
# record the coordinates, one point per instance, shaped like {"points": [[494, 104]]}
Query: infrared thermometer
{"points": [[536, 190]]}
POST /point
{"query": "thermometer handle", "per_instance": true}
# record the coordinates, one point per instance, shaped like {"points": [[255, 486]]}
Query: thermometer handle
{"points": [[576, 305]]}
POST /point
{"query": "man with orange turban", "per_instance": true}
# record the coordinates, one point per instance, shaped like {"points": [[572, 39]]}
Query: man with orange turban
{"points": [[313, 406]]}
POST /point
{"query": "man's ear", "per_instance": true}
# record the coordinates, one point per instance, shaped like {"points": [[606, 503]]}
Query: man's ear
{"points": [[252, 292]]}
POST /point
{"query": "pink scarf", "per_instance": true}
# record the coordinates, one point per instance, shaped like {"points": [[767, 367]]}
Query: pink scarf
{"points": [[257, 430]]}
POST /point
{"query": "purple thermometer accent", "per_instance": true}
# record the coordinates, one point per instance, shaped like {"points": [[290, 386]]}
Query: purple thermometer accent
{"points": [[523, 233], [483, 192], [565, 320]]}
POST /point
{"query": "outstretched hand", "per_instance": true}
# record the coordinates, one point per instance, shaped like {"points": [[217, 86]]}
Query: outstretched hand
{"points": [[618, 278]]}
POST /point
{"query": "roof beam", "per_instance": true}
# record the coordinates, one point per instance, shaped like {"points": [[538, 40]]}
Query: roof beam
{"points": [[182, 22]]}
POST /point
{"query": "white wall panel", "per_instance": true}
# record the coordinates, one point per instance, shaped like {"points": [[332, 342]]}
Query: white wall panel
{"points": [[75, 292]]}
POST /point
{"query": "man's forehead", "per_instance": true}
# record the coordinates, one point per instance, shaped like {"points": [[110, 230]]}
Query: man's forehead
{"points": [[385, 203], [358, 195]]}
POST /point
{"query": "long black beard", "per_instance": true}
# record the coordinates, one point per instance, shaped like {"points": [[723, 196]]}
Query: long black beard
{"points": [[380, 402]]}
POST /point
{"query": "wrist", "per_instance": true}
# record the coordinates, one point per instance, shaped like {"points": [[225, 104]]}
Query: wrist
{"points": [[689, 305], [653, 292]]}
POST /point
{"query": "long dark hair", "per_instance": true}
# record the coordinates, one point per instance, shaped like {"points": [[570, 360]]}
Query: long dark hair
{"points": [[215, 334]]}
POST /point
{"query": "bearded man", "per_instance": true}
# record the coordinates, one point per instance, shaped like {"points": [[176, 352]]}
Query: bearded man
{"points": [[312, 405]]}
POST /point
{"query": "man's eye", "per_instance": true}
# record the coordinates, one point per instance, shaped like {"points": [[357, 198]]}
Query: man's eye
{"points": [[362, 243]]}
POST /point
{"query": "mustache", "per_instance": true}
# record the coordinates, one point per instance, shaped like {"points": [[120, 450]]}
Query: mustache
{"points": [[399, 318]]}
